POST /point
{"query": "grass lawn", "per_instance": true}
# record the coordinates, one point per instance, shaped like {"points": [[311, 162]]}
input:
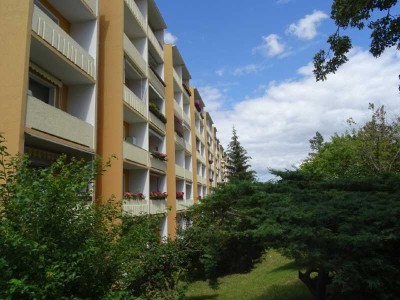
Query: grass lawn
{"points": [[275, 278]]}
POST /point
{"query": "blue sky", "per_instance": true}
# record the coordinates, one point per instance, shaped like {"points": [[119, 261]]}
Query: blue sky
{"points": [[250, 59]]}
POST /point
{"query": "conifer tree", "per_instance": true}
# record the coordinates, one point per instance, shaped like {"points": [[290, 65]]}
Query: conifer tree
{"points": [[238, 166]]}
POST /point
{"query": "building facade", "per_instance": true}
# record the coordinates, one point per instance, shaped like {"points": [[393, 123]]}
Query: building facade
{"points": [[94, 77]]}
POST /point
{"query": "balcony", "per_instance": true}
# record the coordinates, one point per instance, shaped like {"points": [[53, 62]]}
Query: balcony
{"points": [[201, 158], [188, 175], [157, 83], [134, 102], [155, 43], [157, 164], [187, 89], [76, 10], [184, 204], [201, 180], [188, 147], [136, 207], [50, 33], [186, 119], [137, 14], [135, 154], [180, 141], [156, 122], [140, 207], [177, 78], [134, 55], [178, 109], [48, 119], [179, 171], [158, 206]]}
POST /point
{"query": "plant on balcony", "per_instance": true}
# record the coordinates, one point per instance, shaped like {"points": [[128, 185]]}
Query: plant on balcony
{"points": [[199, 197], [156, 111], [159, 155], [179, 195], [198, 106], [134, 196], [157, 195], [185, 86]]}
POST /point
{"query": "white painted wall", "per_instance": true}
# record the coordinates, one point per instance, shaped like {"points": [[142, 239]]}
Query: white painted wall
{"points": [[180, 158], [81, 102], [140, 131], [138, 181], [85, 34]]}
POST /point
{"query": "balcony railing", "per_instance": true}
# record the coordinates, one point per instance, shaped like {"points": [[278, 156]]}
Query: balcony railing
{"points": [[140, 207], [186, 119], [92, 5], [157, 82], [134, 55], [186, 88], [137, 14], [179, 140], [184, 204], [201, 158], [156, 44], [135, 154], [156, 122], [51, 120], [134, 102], [157, 164], [201, 180], [158, 206], [177, 78], [178, 109], [50, 32], [188, 175], [179, 171], [188, 147]]}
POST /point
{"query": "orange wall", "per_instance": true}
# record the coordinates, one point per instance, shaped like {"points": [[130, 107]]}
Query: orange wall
{"points": [[15, 35], [110, 98]]}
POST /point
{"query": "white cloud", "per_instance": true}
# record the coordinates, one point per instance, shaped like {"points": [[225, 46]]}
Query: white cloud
{"points": [[306, 28], [169, 38], [220, 72], [275, 127], [213, 97], [271, 46], [248, 69]]}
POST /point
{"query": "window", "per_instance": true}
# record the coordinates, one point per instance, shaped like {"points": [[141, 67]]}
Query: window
{"points": [[46, 11], [42, 90]]}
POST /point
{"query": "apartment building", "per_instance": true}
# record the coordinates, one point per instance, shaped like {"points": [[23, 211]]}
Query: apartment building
{"points": [[87, 77]]}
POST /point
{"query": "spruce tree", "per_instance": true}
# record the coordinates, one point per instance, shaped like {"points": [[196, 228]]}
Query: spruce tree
{"points": [[238, 166]]}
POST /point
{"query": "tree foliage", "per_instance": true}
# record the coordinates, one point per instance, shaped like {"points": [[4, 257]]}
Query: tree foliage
{"points": [[238, 166], [55, 244], [379, 16], [372, 149]]}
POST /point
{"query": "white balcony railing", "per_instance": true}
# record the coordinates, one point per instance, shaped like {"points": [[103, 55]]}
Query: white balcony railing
{"points": [[137, 14], [186, 118], [51, 120], [184, 204], [179, 140], [179, 171], [140, 207], [135, 154], [201, 180], [188, 147], [138, 105], [92, 4], [156, 122], [50, 32], [156, 44], [188, 175], [134, 55], [136, 207], [156, 83], [158, 206], [177, 78], [201, 158], [178, 109], [157, 164]]}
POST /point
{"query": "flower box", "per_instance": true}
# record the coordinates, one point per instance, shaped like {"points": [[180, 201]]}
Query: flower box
{"points": [[156, 195], [159, 155], [179, 195], [198, 106], [134, 196]]}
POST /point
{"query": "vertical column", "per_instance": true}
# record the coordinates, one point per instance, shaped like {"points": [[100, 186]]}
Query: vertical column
{"points": [[170, 139], [207, 153], [194, 151], [15, 36], [110, 100]]}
